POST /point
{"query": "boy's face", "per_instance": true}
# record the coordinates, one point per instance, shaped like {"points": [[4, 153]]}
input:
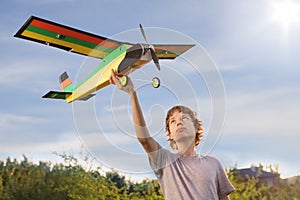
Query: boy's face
{"points": [[181, 127]]}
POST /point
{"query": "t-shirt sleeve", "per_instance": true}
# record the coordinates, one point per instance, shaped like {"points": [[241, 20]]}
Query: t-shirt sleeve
{"points": [[223, 183], [163, 158], [155, 165]]}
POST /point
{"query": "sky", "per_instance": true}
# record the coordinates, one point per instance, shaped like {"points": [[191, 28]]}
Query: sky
{"points": [[241, 78]]}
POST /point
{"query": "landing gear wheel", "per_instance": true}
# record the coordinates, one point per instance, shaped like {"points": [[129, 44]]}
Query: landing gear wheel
{"points": [[124, 80], [155, 82]]}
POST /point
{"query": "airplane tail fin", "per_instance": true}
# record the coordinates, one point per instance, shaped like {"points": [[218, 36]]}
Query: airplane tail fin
{"points": [[67, 89], [65, 83]]}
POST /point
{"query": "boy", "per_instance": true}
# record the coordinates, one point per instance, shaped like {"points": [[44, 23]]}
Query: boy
{"points": [[184, 175]]}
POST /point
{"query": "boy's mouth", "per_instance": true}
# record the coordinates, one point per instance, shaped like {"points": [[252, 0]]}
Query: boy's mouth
{"points": [[180, 129]]}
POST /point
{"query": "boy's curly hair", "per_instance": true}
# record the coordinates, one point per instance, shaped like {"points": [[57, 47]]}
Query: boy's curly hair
{"points": [[197, 123]]}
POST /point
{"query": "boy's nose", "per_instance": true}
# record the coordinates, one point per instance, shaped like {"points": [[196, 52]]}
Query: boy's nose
{"points": [[179, 122]]}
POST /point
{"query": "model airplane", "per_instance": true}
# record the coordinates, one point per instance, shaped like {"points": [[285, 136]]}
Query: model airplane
{"points": [[121, 57]]}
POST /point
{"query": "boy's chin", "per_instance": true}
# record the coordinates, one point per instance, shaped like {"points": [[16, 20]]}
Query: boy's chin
{"points": [[186, 141]]}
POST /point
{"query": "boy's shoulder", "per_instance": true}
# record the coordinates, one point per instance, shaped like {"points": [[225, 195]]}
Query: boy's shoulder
{"points": [[210, 159]]}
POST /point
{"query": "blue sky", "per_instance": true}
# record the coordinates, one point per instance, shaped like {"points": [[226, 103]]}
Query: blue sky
{"points": [[249, 49]]}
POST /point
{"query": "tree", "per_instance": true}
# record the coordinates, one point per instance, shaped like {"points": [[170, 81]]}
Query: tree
{"points": [[71, 181], [244, 189]]}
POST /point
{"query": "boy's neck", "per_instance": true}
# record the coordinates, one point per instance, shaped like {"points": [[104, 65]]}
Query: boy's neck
{"points": [[190, 151]]}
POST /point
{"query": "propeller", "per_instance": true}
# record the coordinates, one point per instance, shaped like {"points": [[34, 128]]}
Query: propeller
{"points": [[152, 51]]}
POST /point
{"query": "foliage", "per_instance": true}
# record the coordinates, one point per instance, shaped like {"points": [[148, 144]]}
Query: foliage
{"points": [[69, 180], [251, 189], [248, 189]]}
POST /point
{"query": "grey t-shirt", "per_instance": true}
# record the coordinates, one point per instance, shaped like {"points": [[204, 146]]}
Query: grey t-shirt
{"points": [[190, 177]]}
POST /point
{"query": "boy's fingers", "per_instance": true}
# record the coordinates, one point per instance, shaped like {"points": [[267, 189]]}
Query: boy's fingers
{"points": [[113, 79], [110, 79]]}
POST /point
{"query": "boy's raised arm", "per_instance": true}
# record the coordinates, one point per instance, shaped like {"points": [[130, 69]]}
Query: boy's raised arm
{"points": [[148, 143]]}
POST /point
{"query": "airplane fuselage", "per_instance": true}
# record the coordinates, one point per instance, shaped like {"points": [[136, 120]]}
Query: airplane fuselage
{"points": [[123, 60]]}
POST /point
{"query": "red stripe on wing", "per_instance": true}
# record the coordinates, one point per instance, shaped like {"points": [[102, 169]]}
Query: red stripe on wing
{"points": [[75, 33]]}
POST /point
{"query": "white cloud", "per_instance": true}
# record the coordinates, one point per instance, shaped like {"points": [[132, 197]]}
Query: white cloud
{"points": [[262, 127], [65, 142], [271, 111], [116, 108], [27, 72], [104, 140], [10, 120]]}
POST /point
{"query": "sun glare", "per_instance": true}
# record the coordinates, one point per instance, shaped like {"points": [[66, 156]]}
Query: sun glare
{"points": [[286, 13]]}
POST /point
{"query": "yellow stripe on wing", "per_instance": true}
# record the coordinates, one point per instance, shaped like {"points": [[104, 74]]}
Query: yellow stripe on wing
{"points": [[74, 47]]}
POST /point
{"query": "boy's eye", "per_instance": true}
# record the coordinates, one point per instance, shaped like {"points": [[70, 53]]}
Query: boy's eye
{"points": [[172, 121], [185, 117]]}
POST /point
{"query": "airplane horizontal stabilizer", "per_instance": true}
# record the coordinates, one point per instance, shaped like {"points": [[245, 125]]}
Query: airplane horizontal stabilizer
{"points": [[64, 95], [57, 95]]}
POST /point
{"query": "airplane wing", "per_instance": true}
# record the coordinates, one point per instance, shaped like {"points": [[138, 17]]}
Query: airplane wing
{"points": [[170, 51], [81, 42], [66, 38]]}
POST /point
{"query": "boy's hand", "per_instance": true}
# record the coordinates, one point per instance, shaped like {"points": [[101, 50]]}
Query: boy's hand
{"points": [[114, 79]]}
